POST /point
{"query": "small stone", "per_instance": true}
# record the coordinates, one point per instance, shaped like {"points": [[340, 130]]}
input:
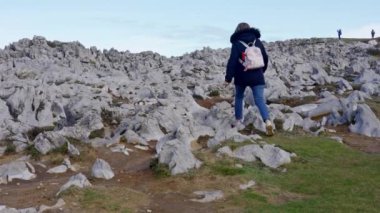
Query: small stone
{"points": [[145, 148], [248, 185], [208, 196], [238, 165]]}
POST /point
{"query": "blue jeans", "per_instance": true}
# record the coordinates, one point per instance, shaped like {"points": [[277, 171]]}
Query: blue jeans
{"points": [[258, 95]]}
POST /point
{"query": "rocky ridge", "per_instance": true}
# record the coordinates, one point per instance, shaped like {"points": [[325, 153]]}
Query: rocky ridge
{"points": [[64, 90]]}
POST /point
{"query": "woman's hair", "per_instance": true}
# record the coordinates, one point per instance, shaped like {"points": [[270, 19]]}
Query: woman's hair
{"points": [[242, 26]]}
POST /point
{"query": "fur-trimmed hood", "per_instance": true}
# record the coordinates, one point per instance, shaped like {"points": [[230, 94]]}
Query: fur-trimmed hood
{"points": [[250, 34]]}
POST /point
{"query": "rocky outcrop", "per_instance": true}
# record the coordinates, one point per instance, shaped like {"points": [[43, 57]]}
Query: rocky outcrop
{"points": [[79, 92]]}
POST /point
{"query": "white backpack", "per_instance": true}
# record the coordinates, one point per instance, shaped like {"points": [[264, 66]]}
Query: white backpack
{"points": [[252, 58]]}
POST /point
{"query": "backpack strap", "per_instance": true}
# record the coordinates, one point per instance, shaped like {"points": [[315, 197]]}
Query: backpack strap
{"points": [[247, 45], [243, 43]]}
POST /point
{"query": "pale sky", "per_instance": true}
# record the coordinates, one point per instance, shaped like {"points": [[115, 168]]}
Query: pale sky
{"points": [[174, 27]]}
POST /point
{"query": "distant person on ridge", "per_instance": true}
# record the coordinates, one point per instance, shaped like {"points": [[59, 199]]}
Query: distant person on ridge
{"points": [[339, 33], [242, 39], [373, 33]]}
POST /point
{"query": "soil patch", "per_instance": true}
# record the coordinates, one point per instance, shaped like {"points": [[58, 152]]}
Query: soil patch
{"points": [[360, 142], [210, 102]]}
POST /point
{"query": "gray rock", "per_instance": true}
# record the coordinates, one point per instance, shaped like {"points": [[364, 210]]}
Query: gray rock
{"points": [[304, 109], [101, 169], [2, 150], [78, 180], [45, 142], [247, 153], [273, 157], [291, 120], [73, 151], [4, 209], [225, 150], [337, 138], [57, 170], [120, 148], [15, 170], [208, 196], [60, 203], [247, 185], [134, 138], [177, 155], [366, 122], [269, 155]]}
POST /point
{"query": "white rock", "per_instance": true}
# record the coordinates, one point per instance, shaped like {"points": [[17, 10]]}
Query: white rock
{"points": [[73, 151], [208, 196], [247, 185], [121, 148], [101, 169], [57, 170], [225, 150], [304, 109], [337, 138], [60, 203], [15, 170], [145, 148], [269, 155]]}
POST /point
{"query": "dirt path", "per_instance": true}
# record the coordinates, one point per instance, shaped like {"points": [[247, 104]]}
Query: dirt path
{"points": [[363, 143], [133, 179]]}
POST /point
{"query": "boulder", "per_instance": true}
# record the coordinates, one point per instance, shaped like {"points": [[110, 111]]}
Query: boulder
{"points": [[78, 180], [177, 155], [18, 169], [269, 155], [101, 169], [365, 122]]}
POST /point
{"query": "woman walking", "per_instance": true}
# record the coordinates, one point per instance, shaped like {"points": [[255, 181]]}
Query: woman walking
{"points": [[245, 76]]}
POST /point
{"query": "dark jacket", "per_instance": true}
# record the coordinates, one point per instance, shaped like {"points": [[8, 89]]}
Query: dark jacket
{"points": [[235, 69]]}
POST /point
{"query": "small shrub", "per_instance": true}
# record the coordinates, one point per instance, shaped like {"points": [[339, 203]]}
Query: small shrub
{"points": [[107, 116], [11, 149], [32, 134], [33, 152], [61, 150], [123, 139], [159, 169], [374, 52], [214, 93], [100, 133]]}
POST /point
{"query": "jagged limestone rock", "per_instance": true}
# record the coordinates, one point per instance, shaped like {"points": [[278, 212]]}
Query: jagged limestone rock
{"points": [[78, 180]]}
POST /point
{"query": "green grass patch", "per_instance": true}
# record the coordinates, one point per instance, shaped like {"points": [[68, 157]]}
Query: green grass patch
{"points": [[227, 170], [100, 133], [33, 152], [330, 176], [214, 93], [160, 170], [10, 149], [60, 150], [95, 198]]}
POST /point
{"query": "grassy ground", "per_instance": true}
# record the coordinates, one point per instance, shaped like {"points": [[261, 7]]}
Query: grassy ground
{"points": [[325, 177]]}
